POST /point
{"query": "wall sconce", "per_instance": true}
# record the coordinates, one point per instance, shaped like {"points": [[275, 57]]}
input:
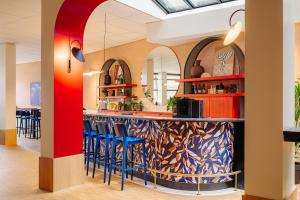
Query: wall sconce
{"points": [[235, 29], [76, 52]]}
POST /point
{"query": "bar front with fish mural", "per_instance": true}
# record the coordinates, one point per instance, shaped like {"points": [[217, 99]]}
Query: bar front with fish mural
{"points": [[182, 153]]}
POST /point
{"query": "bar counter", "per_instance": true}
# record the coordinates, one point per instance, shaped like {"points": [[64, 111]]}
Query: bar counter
{"points": [[184, 146]]}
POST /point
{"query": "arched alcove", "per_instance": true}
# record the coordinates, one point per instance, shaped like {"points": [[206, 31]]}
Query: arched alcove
{"points": [[197, 50]]}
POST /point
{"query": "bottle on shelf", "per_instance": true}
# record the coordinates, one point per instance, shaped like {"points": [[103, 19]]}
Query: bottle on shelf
{"points": [[203, 89], [220, 88], [195, 87]]}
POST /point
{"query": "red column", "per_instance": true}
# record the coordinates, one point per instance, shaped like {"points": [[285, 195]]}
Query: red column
{"points": [[62, 96]]}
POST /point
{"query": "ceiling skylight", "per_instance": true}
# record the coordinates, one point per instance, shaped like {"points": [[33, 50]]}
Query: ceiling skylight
{"points": [[201, 3], [172, 6]]}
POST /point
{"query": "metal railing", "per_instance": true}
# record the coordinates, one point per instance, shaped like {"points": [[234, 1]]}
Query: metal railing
{"points": [[154, 172]]}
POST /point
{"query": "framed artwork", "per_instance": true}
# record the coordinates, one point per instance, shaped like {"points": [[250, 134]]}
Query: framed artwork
{"points": [[224, 61], [35, 93]]}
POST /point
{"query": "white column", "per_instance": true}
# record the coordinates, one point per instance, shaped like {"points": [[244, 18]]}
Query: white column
{"points": [[162, 88], [149, 77], [8, 94]]}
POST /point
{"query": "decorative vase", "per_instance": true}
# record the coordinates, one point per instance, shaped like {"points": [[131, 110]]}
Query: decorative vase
{"points": [[107, 79], [197, 69]]}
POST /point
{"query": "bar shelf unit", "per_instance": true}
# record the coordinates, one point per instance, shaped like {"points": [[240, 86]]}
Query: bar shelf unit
{"points": [[119, 86], [192, 96], [213, 78], [119, 97], [226, 105]]}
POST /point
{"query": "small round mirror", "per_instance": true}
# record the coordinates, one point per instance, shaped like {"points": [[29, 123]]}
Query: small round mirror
{"points": [[160, 71]]}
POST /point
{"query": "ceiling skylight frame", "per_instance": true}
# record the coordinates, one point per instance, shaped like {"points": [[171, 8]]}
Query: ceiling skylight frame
{"points": [[190, 4]]}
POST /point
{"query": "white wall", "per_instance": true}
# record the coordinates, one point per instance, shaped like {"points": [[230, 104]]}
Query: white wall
{"points": [[25, 74], [202, 24]]}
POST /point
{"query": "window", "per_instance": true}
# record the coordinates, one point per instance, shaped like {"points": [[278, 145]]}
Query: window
{"points": [[35, 93], [172, 6]]}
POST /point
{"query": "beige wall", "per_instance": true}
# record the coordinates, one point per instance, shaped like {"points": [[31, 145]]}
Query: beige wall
{"points": [[26, 73], [134, 54]]}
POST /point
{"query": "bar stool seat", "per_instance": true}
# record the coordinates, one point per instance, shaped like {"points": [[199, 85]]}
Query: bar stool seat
{"points": [[132, 140], [121, 136]]}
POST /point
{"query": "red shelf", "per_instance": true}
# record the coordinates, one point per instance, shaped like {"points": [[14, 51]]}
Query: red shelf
{"points": [[118, 97], [215, 78], [211, 95], [117, 86]]}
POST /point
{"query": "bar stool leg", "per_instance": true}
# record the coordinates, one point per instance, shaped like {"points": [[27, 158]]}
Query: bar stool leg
{"points": [[21, 127], [132, 159], [95, 155], [84, 149], [124, 164], [26, 127], [144, 160], [88, 154], [112, 160], [107, 141]]}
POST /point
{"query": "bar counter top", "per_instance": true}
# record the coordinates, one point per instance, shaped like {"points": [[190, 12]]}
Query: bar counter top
{"points": [[129, 116]]}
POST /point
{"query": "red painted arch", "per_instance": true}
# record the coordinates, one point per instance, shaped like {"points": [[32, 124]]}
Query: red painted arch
{"points": [[68, 87]]}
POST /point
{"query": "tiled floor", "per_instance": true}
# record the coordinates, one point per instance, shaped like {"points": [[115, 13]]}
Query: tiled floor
{"points": [[19, 180]]}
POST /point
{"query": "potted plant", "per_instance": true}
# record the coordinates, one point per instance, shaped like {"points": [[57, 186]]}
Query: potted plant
{"points": [[297, 144], [171, 104]]}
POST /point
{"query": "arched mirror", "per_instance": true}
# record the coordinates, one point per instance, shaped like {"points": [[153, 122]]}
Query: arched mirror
{"points": [[160, 71]]}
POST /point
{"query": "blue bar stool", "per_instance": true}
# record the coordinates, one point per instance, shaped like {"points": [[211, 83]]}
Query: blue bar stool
{"points": [[103, 133], [35, 123], [123, 138], [91, 136], [18, 119], [25, 121]]}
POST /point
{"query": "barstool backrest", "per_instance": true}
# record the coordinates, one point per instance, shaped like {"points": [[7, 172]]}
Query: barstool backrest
{"points": [[120, 129], [87, 126], [25, 113], [102, 127]]}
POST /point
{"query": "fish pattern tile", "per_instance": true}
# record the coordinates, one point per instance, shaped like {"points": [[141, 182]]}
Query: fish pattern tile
{"points": [[181, 147]]}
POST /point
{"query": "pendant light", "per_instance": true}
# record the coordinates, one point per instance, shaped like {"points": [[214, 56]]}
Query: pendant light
{"points": [[235, 29], [104, 38]]}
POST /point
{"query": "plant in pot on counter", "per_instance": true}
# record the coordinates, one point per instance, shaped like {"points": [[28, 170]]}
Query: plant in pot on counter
{"points": [[171, 104], [148, 95]]}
